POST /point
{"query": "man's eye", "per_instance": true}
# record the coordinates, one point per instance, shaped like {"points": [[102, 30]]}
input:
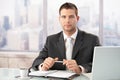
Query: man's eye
{"points": [[63, 17], [71, 17]]}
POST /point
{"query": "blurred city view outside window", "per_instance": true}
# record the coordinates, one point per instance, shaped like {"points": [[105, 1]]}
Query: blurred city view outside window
{"points": [[25, 24], [111, 20], [21, 25]]}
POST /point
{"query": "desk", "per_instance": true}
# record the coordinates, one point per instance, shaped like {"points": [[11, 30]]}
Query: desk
{"points": [[10, 73]]}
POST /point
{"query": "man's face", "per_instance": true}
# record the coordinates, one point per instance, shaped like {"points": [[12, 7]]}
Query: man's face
{"points": [[68, 20]]}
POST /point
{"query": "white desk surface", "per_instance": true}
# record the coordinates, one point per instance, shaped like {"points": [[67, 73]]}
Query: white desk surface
{"points": [[11, 73]]}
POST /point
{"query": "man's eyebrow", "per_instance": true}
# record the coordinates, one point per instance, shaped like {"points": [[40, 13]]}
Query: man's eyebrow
{"points": [[63, 16]]}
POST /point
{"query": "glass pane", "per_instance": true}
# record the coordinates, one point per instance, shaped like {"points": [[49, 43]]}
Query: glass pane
{"points": [[88, 12], [111, 22], [21, 24]]}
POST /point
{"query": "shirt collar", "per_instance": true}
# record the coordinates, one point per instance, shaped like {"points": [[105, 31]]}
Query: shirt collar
{"points": [[73, 36]]}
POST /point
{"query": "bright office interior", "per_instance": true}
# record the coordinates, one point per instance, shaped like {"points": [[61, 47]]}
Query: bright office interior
{"points": [[25, 24]]}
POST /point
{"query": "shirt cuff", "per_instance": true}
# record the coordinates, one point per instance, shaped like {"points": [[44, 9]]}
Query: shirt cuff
{"points": [[40, 67], [82, 68]]}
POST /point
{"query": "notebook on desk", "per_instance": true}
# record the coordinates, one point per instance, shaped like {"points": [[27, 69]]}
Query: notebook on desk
{"points": [[106, 63], [54, 73]]}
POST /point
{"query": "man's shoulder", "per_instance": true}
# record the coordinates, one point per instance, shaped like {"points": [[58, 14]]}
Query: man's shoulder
{"points": [[53, 36], [86, 34]]}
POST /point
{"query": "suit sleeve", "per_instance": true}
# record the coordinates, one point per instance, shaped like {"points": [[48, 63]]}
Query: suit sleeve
{"points": [[88, 66], [42, 55]]}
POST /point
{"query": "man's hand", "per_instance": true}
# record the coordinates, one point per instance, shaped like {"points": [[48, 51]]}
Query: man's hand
{"points": [[72, 66], [48, 63]]}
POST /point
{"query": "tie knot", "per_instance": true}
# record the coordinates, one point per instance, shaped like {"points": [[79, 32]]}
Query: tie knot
{"points": [[69, 40]]}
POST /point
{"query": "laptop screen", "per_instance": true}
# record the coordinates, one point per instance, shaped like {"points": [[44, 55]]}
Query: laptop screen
{"points": [[106, 63]]}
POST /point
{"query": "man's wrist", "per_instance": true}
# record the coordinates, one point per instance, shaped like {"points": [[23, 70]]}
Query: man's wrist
{"points": [[82, 69], [40, 66]]}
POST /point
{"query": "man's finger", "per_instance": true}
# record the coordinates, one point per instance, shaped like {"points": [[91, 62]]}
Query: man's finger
{"points": [[56, 59], [64, 61]]}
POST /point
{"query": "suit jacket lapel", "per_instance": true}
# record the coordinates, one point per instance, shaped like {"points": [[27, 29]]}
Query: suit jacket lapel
{"points": [[78, 43], [61, 46]]}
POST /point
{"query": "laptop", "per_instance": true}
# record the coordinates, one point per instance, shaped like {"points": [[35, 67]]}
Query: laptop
{"points": [[106, 63]]}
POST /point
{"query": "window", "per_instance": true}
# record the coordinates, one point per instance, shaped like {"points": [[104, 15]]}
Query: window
{"points": [[111, 20], [21, 25], [25, 24]]}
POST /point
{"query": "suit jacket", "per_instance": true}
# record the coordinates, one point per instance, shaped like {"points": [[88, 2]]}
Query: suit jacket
{"points": [[82, 50]]}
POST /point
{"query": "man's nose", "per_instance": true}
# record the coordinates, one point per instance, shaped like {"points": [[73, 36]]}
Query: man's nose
{"points": [[67, 19]]}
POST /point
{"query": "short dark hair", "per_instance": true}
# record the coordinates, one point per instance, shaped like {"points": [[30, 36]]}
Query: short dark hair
{"points": [[69, 5]]}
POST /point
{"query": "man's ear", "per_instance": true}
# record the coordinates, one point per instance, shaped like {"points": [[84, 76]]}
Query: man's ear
{"points": [[78, 18]]}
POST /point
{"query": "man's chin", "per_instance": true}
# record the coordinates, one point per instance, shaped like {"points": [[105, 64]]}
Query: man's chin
{"points": [[68, 30]]}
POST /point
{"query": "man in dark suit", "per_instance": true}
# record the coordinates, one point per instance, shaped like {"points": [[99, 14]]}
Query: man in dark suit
{"points": [[55, 48]]}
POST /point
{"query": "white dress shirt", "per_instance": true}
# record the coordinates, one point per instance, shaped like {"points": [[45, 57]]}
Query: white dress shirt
{"points": [[73, 36]]}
